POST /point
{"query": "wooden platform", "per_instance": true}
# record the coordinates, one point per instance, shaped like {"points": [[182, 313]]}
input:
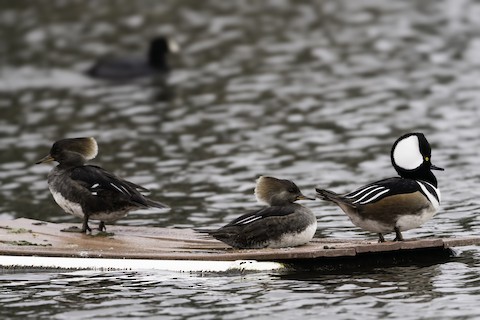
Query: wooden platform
{"points": [[25, 242]]}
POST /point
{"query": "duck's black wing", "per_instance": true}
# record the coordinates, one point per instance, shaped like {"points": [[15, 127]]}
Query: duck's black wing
{"points": [[261, 214], [372, 192], [255, 229], [121, 69], [102, 183], [379, 190]]}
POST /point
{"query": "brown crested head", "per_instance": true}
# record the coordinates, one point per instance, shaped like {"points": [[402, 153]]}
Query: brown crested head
{"points": [[277, 192], [72, 149]]}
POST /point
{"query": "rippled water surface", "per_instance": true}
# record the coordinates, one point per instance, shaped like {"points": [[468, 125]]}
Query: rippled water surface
{"points": [[315, 92]]}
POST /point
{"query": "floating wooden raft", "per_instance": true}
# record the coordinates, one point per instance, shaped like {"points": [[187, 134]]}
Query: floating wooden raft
{"points": [[31, 243]]}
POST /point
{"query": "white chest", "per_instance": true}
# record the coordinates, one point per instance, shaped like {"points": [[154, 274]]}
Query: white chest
{"points": [[76, 210], [295, 239], [68, 206], [411, 221]]}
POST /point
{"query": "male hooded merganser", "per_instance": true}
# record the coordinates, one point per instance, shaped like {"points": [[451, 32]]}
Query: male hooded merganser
{"points": [[126, 68], [399, 203], [282, 224], [87, 191]]}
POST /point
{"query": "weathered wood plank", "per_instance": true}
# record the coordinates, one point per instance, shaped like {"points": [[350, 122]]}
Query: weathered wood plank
{"points": [[30, 237], [460, 242]]}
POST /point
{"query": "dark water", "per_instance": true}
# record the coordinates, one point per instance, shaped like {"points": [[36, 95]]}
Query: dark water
{"points": [[315, 92]]}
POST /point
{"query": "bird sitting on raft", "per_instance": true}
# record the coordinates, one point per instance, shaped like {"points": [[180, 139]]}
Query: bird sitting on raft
{"points": [[88, 191], [126, 68], [399, 203], [282, 223]]}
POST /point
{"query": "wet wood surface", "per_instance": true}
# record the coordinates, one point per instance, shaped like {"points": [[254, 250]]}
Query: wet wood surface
{"points": [[28, 237]]}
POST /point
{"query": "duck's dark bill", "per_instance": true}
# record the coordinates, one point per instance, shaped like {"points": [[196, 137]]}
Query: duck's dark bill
{"points": [[45, 159], [302, 197], [432, 167]]}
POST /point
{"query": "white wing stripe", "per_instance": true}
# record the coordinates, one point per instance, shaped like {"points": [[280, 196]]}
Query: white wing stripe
{"points": [[375, 196], [126, 191], [249, 219], [367, 194], [116, 187], [359, 191]]}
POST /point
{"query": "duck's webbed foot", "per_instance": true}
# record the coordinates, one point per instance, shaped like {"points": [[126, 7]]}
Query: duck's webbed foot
{"points": [[85, 226], [398, 234], [381, 238], [101, 226], [74, 229]]}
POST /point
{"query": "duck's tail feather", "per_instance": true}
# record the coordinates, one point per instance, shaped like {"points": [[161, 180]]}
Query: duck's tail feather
{"points": [[328, 195], [155, 204], [203, 230]]}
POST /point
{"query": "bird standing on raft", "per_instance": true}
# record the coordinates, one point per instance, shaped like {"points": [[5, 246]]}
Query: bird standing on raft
{"points": [[88, 191], [399, 203], [282, 223]]}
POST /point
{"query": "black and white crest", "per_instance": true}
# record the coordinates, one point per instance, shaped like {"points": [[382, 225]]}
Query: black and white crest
{"points": [[412, 158], [406, 152]]}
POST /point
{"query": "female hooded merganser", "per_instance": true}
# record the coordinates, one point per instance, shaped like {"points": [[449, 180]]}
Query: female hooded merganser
{"points": [[399, 203], [90, 192], [282, 224], [134, 67]]}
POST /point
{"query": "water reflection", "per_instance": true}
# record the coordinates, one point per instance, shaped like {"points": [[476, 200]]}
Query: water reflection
{"points": [[375, 293]]}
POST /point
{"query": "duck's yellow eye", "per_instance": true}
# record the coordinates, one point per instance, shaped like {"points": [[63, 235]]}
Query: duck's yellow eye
{"points": [[427, 158]]}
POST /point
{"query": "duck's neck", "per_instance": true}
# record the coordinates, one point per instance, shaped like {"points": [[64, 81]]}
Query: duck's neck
{"points": [[157, 59], [425, 175], [70, 160]]}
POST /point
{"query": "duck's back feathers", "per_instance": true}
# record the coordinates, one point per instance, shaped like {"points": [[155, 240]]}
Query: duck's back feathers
{"points": [[103, 184], [130, 67], [257, 229], [379, 190], [379, 206], [372, 192], [121, 68], [264, 213]]}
